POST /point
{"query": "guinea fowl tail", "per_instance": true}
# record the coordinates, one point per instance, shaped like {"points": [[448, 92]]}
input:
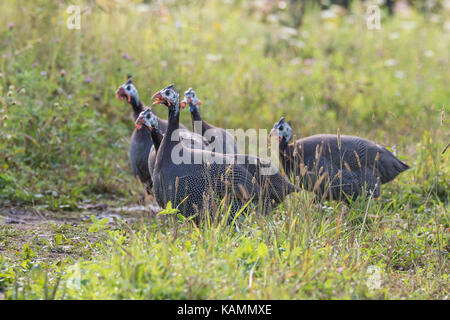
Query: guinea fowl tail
{"points": [[390, 166]]}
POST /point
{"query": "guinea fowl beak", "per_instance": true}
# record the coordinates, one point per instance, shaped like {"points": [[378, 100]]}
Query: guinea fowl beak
{"points": [[157, 95], [274, 132], [159, 98], [139, 122], [121, 93]]}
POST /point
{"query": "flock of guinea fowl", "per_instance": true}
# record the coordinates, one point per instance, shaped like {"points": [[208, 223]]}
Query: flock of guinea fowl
{"points": [[332, 166]]}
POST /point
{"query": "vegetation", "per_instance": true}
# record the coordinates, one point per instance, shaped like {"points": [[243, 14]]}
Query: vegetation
{"points": [[64, 141]]}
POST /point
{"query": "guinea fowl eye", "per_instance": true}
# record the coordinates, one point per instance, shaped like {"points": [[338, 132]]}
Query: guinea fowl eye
{"points": [[128, 88], [281, 128]]}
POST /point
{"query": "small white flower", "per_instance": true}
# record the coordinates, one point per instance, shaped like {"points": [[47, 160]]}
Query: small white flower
{"points": [[289, 31], [399, 74], [178, 25], [390, 63], [297, 43], [282, 5], [429, 53], [213, 57], [409, 25], [394, 35], [305, 34], [273, 18], [295, 61], [327, 14]]}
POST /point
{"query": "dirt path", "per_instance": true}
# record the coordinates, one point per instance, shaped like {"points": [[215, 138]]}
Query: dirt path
{"points": [[40, 228], [28, 216]]}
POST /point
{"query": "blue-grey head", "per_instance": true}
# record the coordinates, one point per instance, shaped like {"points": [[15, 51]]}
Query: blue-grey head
{"points": [[169, 97], [283, 130], [190, 98], [147, 118], [128, 91]]}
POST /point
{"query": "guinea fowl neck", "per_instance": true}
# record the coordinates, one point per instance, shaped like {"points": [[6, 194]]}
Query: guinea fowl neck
{"points": [[167, 144], [283, 146], [195, 117], [137, 107], [156, 137], [285, 153], [174, 119], [173, 123]]}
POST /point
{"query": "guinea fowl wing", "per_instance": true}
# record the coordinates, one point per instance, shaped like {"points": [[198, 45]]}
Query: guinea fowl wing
{"points": [[195, 186], [140, 146]]}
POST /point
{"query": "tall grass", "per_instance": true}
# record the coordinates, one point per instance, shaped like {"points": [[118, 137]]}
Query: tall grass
{"points": [[64, 139]]}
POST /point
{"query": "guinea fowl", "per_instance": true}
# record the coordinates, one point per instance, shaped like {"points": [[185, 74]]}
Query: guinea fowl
{"points": [[219, 139], [192, 179], [150, 120], [141, 141], [337, 167]]}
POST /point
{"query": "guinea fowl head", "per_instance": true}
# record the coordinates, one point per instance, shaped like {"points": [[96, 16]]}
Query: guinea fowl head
{"points": [[128, 91], [169, 97], [283, 130], [190, 98], [147, 118]]}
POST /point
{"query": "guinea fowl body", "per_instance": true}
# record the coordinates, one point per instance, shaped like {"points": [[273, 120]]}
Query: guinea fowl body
{"points": [[228, 144], [274, 187], [194, 186], [353, 167]]}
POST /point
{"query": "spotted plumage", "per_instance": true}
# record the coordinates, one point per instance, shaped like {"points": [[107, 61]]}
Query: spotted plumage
{"points": [[337, 167], [197, 186]]}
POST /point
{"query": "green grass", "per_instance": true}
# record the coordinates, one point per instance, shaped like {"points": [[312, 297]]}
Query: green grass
{"points": [[64, 143]]}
